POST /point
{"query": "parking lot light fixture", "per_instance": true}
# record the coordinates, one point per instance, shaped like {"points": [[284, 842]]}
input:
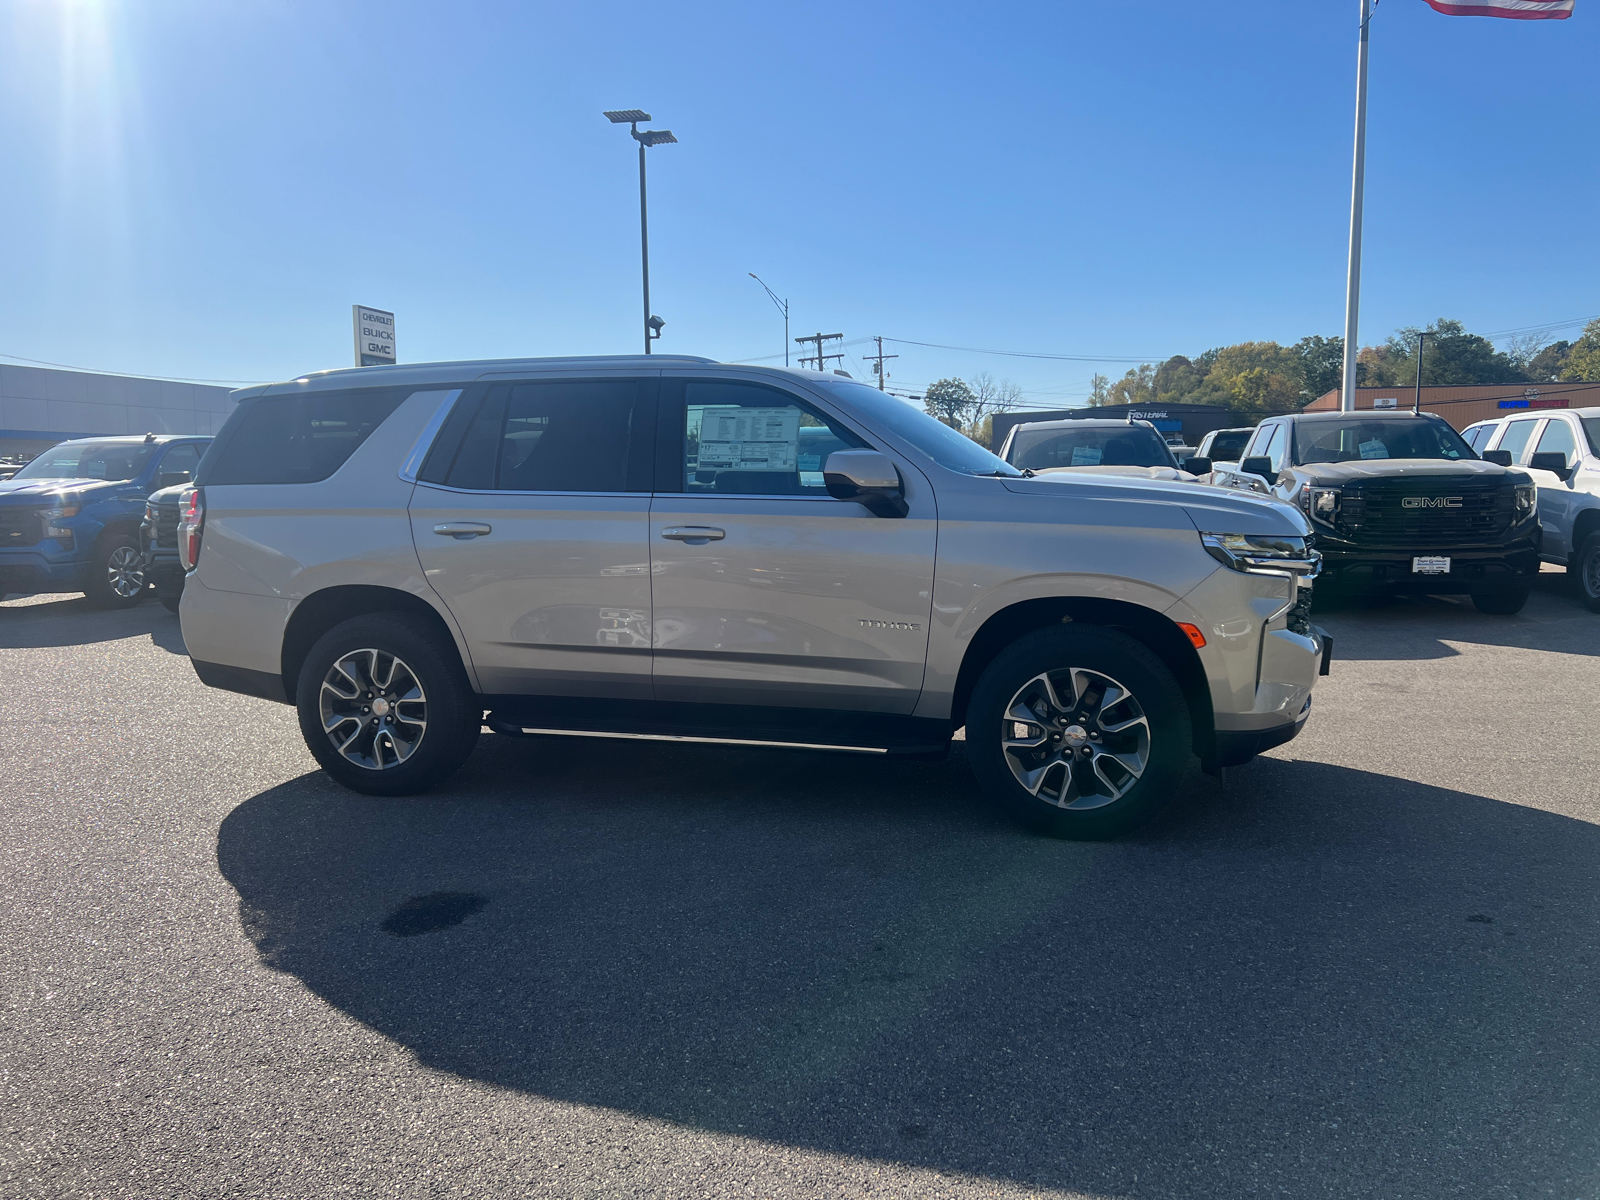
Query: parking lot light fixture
{"points": [[646, 138]]}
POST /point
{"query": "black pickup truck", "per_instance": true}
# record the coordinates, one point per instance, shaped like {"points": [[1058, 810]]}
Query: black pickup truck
{"points": [[158, 539], [1399, 503]]}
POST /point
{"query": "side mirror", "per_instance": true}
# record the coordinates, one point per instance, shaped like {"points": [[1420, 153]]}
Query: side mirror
{"points": [[1501, 458], [1197, 465], [1553, 461], [1259, 464], [867, 477]]}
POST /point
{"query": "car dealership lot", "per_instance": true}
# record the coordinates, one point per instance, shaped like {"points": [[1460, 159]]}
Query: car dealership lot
{"points": [[1362, 966]]}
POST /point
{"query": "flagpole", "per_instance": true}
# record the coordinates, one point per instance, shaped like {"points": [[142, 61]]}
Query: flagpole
{"points": [[1352, 293]]}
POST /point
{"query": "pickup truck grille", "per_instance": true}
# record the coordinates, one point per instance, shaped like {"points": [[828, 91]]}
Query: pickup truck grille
{"points": [[167, 526], [19, 527], [1380, 516]]}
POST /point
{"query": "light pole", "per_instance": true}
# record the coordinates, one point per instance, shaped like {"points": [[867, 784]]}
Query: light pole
{"points": [[783, 307], [649, 137], [1416, 403]]}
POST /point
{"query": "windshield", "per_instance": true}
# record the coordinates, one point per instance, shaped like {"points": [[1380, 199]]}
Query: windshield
{"points": [[110, 461], [1354, 440], [1120, 446], [947, 447], [1228, 444]]}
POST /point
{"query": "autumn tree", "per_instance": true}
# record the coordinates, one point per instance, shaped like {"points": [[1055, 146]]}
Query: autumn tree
{"points": [[1583, 360], [951, 400]]}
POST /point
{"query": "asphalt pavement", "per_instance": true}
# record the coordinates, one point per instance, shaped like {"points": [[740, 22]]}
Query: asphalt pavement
{"points": [[1363, 966]]}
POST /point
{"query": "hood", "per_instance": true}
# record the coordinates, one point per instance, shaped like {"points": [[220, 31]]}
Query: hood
{"points": [[1373, 469], [169, 495], [1130, 472], [1211, 509], [25, 491]]}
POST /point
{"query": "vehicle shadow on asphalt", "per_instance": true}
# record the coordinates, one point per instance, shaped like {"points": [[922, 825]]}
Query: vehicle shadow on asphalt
{"points": [[49, 622], [1394, 628], [1313, 981]]}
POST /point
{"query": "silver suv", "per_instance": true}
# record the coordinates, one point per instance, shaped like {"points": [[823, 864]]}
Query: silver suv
{"points": [[669, 547]]}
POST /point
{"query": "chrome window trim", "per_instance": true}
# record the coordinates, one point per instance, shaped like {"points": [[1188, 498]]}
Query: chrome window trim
{"points": [[424, 443], [444, 487]]}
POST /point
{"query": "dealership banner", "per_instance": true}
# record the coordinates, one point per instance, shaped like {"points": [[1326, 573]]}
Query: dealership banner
{"points": [[1519, 10]]}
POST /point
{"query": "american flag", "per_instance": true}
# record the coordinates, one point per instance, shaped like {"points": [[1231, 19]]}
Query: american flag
{"points": [[1520, 10]]}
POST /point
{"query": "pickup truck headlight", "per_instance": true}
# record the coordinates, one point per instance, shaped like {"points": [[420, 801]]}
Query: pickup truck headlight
{"points": [[1320, 504], [1256, 554], [64, 507], [1527, 502]]}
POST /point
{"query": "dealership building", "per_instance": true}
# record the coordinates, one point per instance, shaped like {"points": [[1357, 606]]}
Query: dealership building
{"points": [[1179, 424], [40, 406], [1463, 406]]}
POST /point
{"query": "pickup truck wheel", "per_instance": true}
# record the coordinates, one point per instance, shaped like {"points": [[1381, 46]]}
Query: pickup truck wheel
{"points": [[1586, 566], [116, 576], [1501, 604], [1078, 732], [384, 707]]}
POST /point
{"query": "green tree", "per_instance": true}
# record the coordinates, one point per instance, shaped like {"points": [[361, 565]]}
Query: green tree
{"points": [[1547, 365], [1099, 390], [951, 400], [1135, 387], [1453, 358], [1583, 360], [1321, 366]]}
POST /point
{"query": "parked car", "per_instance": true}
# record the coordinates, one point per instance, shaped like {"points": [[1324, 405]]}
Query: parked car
{"points": [[1224, 445], [69, 520], [1400, 503], [1478, 436], [11, 465], [1106, 447], [1560, 450], [158, 538], [649, 547]]}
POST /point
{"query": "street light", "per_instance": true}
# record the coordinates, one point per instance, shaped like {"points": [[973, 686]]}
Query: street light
{"points": [[783, 307], [1422, 340], [649, 137]]}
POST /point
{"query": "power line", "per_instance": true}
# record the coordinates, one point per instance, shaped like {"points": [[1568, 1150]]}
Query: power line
{"points": [[39, 362], [1029, 353], [819, 357]]}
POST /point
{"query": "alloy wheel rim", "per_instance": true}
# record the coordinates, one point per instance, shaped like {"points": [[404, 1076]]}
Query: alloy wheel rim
{"points": [[123, 572], [1591, 572], [1075, 738], [373, 709]]}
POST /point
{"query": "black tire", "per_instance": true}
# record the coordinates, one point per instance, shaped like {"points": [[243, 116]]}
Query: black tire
{"points": [[1083, 723], [449, 712], [1585, 569], [1501, 604], [115, 578]]}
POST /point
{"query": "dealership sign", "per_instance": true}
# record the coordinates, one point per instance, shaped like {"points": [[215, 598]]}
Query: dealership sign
{"points": [[374, 331]]}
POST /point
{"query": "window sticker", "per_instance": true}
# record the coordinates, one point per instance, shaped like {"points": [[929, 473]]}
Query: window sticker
{"points": [[749, 439], [1374, 449], [1086, 456]]}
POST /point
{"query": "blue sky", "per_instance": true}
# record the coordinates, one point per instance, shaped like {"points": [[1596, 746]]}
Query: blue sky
{"points": [[203, 190]]}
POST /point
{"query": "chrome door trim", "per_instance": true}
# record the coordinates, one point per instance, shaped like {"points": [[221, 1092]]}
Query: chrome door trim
{"points": [[430, 431]]}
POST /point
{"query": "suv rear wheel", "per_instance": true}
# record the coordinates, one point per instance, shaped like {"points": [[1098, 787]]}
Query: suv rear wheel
{"points": [[1586, 567], [116, 573], [384, 707], [1078, 732]]}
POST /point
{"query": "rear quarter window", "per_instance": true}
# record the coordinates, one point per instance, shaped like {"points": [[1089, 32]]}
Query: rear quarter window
{"points": [[296, 438]]}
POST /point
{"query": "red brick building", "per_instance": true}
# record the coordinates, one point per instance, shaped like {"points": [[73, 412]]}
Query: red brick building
{"points": [[1463, 406]]}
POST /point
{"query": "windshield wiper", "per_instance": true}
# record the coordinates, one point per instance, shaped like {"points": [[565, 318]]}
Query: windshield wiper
{"points": [[1024, 473]]}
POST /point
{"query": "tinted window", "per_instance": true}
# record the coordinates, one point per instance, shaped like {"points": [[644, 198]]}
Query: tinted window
{"points": [[1591, 426], [744, 439], [1355, 439], [1516, 438], [1275, 448], [948, 447], [1125, 446], [560, 436], [1474, 436], [1225, 447], [298, 438], [1557, 439], [180, 460], [110, 461]]}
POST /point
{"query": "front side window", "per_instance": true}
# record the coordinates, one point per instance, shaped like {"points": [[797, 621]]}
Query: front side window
{"points": [[1274, 449], [556, 436], [180, 460], [1357, 440], [1123, 446], [745, 439], [1591, 426], [1516, 438], [1557, 439], [1475, 436], [1228, 445], [109, 461]]}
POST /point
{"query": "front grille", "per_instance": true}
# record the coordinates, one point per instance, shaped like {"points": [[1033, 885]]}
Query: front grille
{"points": [[19, 527], [1378, 516], [167, 526], [1299, 617]]}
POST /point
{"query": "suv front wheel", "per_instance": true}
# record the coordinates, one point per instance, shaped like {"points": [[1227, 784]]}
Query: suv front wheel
{"points": [[1078, 732], [384, 707]]}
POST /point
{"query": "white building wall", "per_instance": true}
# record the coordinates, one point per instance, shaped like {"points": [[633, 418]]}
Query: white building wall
{"points": [[40, 406]]}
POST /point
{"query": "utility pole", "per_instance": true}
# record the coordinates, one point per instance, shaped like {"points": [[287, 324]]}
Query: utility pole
{"points": [[877, 361], [819, 357]]}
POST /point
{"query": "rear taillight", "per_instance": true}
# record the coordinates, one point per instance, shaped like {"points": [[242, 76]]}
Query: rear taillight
{"points": [[191, 524]]}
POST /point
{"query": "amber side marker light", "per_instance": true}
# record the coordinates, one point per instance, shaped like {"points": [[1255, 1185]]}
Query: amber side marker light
{"points": [[1192, 632]]}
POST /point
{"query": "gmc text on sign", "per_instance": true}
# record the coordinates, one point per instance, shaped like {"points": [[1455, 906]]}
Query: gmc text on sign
{"points": [[374, 331]]}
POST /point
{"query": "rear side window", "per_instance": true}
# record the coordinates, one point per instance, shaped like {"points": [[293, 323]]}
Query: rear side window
{"points": [[589, 435], [299, 438], [1515, 438]]}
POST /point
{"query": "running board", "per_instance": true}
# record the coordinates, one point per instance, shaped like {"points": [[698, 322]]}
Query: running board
{"points": [[684, 737]]}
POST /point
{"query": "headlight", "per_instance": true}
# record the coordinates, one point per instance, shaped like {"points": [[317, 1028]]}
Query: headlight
{"points": [[65, 506], [1527, 502], [1260, 555]]}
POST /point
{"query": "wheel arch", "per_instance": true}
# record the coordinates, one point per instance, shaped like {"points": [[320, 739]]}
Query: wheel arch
{"points": [[1588, 522], [322, 610], [1156, 632]]}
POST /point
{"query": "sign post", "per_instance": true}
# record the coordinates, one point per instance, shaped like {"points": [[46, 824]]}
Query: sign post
{"points": [[374, 331]]}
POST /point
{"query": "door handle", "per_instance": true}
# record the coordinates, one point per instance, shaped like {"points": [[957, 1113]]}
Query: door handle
{"points": [[462, 530], [694, 535]]}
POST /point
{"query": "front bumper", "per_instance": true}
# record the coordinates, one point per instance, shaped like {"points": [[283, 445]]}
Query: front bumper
{"points": [[1349, 568], [27, 571]]}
